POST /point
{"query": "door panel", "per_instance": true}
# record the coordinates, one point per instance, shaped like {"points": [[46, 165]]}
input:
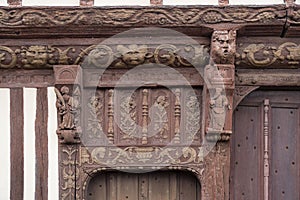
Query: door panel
{"points": [[247, 153], [149, 186], [284, 165], [247, 147]]}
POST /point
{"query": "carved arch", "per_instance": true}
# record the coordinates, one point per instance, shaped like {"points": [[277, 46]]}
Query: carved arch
{"points": [[89, 176]]}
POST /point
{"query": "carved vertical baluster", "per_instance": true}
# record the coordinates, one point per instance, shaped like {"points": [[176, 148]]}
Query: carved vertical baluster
{"points": [[266, 149], [110, 130], [177, 116], [145, 116]]}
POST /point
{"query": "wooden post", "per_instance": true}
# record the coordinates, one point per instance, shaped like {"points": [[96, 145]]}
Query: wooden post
{"points": [[16, 143]]}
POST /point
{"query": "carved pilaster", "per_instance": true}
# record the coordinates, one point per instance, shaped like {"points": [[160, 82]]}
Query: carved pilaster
{"points": [[219, 78], [215, 180], [69, 173], [68, 92]]}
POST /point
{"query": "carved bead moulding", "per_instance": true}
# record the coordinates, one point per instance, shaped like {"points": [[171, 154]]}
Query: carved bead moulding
{"points": [[138, 16], [103, 56]]}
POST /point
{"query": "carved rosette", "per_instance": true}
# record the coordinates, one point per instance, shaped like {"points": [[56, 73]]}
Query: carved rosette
{"points": [[219, 78], [68, 103]]}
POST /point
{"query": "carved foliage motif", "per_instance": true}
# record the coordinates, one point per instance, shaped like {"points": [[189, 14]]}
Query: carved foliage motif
{"points": [[128, 124], [262, 55], [129, 16], [144, 156], [192, 124], [95, 107], [69, 173]]}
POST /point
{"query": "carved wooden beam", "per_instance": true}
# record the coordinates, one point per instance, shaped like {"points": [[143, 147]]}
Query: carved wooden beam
{"points": [[68, 92], [139, 16], [38, 56], [258, 52]]}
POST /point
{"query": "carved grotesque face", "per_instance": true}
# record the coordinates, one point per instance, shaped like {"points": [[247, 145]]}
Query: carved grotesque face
{"points": [[134, 57], [133, 54], [222, 43], [223, 47], [37, 55]]}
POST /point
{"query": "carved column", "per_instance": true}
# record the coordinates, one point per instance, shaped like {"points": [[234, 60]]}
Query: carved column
{"points": [[218, 100]]}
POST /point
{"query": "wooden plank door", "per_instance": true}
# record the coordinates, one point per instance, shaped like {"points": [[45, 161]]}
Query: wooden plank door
{"points": [[150, 186], [265, 147]]}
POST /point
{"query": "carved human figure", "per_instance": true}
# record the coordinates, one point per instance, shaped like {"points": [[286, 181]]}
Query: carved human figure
{"points": [[94, 121], [161, 118], [218, 106], [128, 116], [67, 107]]}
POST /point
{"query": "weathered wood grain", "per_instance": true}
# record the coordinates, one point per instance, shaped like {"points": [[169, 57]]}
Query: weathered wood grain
{"points": [[16, 143]]}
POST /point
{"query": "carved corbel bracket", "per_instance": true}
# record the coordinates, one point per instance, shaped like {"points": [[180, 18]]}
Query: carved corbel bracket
{"points": [[68, 103], [220, 84], [240, 92]]}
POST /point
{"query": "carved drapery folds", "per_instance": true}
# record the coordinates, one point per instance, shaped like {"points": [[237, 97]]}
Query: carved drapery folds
{"points": [[219, 78], [68, 103]]}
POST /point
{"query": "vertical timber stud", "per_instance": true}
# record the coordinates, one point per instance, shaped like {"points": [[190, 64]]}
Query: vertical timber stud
{"points": [[16, 143], [41, 145], [86, 3], [156, 2], [266, 149], [218, 100], [223, 2], [68, 91]]}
